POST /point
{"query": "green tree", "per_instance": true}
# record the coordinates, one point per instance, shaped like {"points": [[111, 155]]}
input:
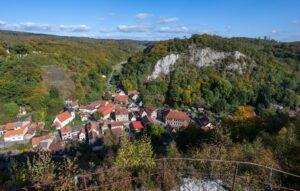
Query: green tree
{"points": [[136, 153], [172, 150], [157, 130], [54, 92], [8, 112], [39, 169]]}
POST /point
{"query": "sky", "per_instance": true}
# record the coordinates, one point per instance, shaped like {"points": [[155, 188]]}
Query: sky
{"points": [[154, 19]]}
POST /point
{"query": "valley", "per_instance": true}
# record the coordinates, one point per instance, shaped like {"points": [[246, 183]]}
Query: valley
{"points": [[96, 104]]}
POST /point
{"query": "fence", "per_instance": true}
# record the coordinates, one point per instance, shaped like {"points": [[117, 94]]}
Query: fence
{"points": [[168, 174]]}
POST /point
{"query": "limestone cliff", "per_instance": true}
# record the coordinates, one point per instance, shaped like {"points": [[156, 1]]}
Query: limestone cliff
{"points": [[201, 57]]}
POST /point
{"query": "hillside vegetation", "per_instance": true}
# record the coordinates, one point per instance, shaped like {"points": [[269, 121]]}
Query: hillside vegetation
{"points": [[220, 73], [232, 78], [32, 65]]}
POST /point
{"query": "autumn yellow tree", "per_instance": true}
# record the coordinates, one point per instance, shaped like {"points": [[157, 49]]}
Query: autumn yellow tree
{"points": [[244, 113]]}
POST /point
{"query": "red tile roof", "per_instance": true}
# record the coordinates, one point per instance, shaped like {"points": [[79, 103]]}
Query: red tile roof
{"points": [[94, 105], [55, 147], [116, 124], [122, 111], [137, 125], [121, 98], [31, 131], [33, 125], [92, 126], [174, 114], [56, 124], [45, 132], [148, 109], [19, 131], [109, 108], [133, 92], [36, 140], [10, 126], [64, 116], [65, 130], [2, 127]]}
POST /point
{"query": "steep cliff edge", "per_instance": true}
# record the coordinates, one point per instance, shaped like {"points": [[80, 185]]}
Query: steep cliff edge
{"points": [[203, 57]]}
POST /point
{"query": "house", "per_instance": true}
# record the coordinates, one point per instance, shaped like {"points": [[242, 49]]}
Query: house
{"points": [[176, 118], [30, 133], [151, 111], [78, 133], [83, 116], [121, 115], [56, 147], [133, 116], [11, 126], [142, 113], [33, 125], [106, 110], [92, 132], [16, 135], [82, 135], [121, 99], [72, 104], [92, 107], [66, 133], [119, 93], [133, 92], [137, 126], [45, 138], [22, 111], [204, 122], [63, 119], [45, 132], [134, 95], [114, 125], [104, 126], [147, 120], [2, 130], [133, 107]]}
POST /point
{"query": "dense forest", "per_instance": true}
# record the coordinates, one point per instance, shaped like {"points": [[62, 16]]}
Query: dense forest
{"points": [[272, 74], [39, 71]]}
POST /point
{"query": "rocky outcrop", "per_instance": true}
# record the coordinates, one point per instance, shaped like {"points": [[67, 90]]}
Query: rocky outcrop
{"points": [[163, 66], [202, 57]]}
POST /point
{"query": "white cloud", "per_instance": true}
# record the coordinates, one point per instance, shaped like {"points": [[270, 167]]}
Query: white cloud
{"points": [[142, 16], [30, 26], [180, 29], [74, 28], [2, 23], [167, 20], [274, 31], [134, 28], [39, 27]]}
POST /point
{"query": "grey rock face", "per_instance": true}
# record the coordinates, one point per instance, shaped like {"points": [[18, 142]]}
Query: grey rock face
{"points": [[201, 57], [163, 66]]}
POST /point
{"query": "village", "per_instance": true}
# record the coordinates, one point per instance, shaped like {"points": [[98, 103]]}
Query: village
{"points": [[124, 113]]}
